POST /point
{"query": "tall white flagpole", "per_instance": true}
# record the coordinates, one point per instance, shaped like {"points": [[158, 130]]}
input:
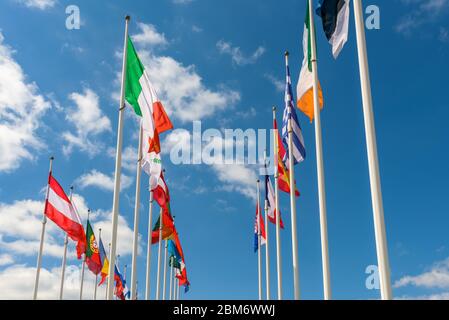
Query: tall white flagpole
{"points": [[159, 253], [293, 207], [150, 231], [83, 266], [118, 167], [41, 246], [267, 252], [96, 276], [319, 162], [177, 290], [278, 216], [64, 257], [136, 219], [259, 239], [373, 162], [171, 279], [107, 280], [165, 271]]}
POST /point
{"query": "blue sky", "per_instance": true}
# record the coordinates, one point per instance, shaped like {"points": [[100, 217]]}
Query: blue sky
{"points": [[222, 62]]}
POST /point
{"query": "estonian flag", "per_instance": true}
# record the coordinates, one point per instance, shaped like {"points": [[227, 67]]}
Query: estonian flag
{"points": [[335, 17]]}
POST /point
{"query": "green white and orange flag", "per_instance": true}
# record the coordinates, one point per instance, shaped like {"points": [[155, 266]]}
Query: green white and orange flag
{"points": [[304, 90], [141, 95]]}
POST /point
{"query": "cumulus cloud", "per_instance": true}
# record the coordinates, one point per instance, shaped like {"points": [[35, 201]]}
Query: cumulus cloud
{"points": [[421, 12], [6, 259], [436, 277], [38, 4], [21, 112], [102, 181], [237, 55], [149, 36], [89, 122]]}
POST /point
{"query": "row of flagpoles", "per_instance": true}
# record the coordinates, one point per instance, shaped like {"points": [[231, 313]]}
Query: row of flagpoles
{"points": [[289, 150], [137, 90]]}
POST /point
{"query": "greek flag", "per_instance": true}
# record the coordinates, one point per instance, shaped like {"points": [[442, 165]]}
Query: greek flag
{"points": [[299, 152]]}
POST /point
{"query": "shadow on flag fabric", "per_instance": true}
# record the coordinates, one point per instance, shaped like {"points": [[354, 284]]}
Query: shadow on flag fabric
{"points": [[256, 230], [93, 259], [335, 18], [104, 264], [61, 211], [304, 90], [283, 173]]}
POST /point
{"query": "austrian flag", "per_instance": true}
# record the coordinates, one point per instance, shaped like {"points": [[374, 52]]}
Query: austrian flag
{"points": [[60, 210]]}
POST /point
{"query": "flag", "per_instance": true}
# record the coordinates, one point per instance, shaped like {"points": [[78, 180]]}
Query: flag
{"points": [[335, 17], [141, 95], [256, 230], [61, 211], [299, 152], [283, 173], [93, 259], [304, 90], [270, 199], [167, 227], [104, 263], [161, 193], [174, 256], [119, 284]]}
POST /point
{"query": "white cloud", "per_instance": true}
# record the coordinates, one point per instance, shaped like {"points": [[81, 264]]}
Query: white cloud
{"points": [[421, 12], [236, 54], [89, 122], [21, 110], [177, 137], [6, 259], [278, 84], [435, 296], [436, 277], [237, 178], [38, 4], [149, 36], [182, 1], [99, 180], [181, 88]]}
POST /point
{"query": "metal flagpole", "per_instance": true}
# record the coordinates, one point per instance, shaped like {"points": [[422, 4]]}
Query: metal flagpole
{"points": [[118, 167], [177, 290], [319, 162], [165, 271], [136, 219], [267, 253], [148, 275], [84, 263], [278, 216], [159, 256], [171, 279], [41, 246], [293, 205], [96, 276], [259, 238], [64, 257], [107, 280], [373, 162]]}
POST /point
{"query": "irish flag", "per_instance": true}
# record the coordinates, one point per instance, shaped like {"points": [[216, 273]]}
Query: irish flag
{"points": [[141, 95], [304, 90], [60, 210]]}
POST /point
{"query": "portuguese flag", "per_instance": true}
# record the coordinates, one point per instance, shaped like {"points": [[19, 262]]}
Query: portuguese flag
{"points": [[93, 259]]}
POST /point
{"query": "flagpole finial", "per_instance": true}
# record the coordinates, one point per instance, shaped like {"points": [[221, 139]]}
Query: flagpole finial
{"points": [[274, 108], [128, 17], [287, 53], [71, 188]]}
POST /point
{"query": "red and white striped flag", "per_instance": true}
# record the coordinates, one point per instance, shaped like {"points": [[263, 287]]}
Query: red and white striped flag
{"points": [[60, 210]]}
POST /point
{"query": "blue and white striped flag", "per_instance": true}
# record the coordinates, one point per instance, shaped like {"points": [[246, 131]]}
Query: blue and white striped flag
{"points": [[299, 151]]}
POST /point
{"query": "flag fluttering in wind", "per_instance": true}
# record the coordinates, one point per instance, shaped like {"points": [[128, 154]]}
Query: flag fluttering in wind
{"points": [[160, 193], [167, 227], [283, 174], [141, 95], [104, 263], [263, 236], [61, 211], [119, 284], [269, 197], [93, 258], [299, 151], [304, 90], [335, 17]]}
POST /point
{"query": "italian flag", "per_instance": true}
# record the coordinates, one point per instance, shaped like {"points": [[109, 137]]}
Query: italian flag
{"points": [[304, 90], [141, 95]]}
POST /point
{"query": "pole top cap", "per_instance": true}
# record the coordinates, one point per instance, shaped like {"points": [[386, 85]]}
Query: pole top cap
{"points": [[287, 53], [71, 188], [274, 108], [128, 17], [52, 158], [99, 229], [258, 180]]}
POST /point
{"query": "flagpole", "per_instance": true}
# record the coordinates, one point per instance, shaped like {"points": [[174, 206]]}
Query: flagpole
{"points": [[107, 280], [177, 290], [41, 246], [278, 216], [267, 253], [96, 276], [64, 257], [293, 205], [150, 214], [165, 271], [136, 219], [373, 161], [320, 162], [159, 256], [259, 239], [84, 262], [171, 279], [118, 167]]}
